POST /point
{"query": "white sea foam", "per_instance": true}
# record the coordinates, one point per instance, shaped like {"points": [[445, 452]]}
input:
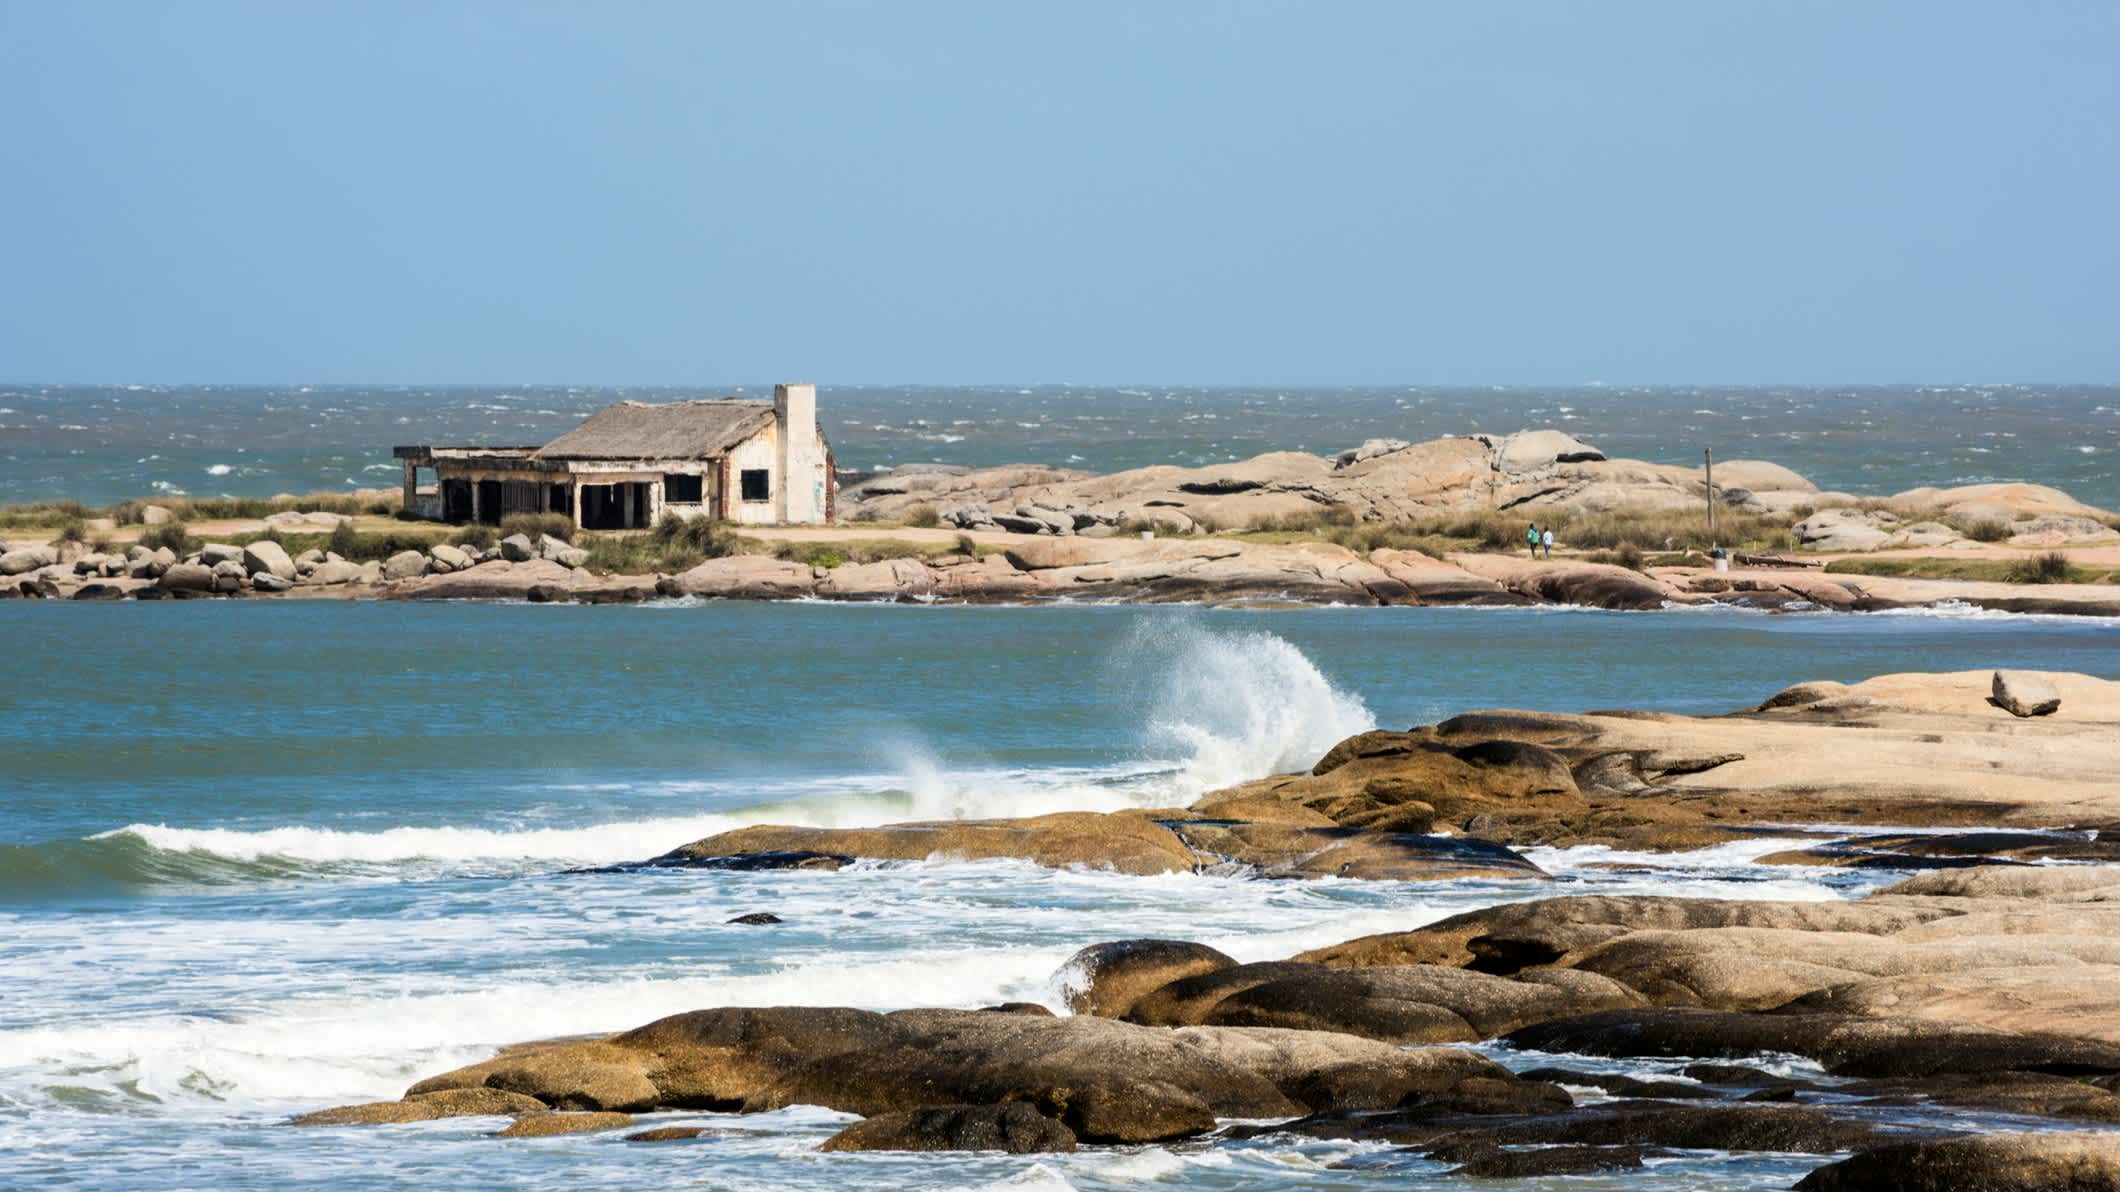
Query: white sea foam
{"points": [[342, 1047], [1217, 708], [1237, 706], [219, 470]]}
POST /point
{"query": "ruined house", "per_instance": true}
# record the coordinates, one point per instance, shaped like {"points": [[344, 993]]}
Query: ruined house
{"points": [[628, 465]]}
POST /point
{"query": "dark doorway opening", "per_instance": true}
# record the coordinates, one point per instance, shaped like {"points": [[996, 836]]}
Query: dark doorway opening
{"points": [[489, 502], [456, 500], [614, 506]]}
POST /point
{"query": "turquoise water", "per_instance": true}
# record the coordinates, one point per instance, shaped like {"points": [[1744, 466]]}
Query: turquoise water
{"points": [[262, 857]]}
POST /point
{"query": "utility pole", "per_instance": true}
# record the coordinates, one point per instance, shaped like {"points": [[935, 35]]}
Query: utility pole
{"points": [[1707, 454]]}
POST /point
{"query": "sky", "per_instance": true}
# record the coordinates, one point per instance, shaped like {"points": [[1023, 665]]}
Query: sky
{"points": [[1173, 192]]}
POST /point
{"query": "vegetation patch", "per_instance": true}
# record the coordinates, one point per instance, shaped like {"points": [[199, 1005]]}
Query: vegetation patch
{"points": [[2052, 567], [538, 526]]}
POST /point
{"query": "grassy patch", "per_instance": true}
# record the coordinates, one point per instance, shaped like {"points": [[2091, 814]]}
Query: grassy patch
{"points": [[173, 536], [1985, 529], [874, 550], [538, 526], [2037, 569], [1637, 531], [675, 544]]}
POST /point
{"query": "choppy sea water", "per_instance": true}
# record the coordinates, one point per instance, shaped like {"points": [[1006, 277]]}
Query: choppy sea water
{"points": [[99, 444], [263, 857]]}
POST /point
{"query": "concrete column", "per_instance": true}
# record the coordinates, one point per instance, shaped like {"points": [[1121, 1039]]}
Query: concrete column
{"points": [[797, 498], [412, 487], [476, 512], [625, 503]]}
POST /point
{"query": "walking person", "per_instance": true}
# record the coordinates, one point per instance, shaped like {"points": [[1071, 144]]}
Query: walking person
{"points": [[1531, 536], [1547, 541]]}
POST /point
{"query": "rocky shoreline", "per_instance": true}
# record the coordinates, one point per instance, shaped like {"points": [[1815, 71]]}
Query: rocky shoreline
{"points": [[1023, 534], [1989, 985], [1025, 570]]}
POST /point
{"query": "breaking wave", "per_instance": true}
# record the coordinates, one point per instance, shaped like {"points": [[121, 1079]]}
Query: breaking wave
{"points": [[1215, 708]]}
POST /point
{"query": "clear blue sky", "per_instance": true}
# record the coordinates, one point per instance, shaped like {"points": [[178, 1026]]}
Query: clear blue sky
{"points": [[989, 191]]}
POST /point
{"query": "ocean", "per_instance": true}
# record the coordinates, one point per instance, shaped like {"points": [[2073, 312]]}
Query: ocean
{"points": [[99, 444], [262, 857]]}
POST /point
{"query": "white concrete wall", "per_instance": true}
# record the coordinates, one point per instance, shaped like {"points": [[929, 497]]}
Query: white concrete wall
{"points": [[761, 450]]}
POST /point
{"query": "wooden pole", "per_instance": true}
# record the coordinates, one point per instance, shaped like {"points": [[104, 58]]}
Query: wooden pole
{"points": [[1707, 454]]}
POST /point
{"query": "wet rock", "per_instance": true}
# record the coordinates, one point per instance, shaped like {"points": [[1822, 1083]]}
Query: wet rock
{"points": [[517, 548], [229, 576], [2070, 1162], [1126, 843], [1510, 937], [1107, 979], [1498, 1164], [1844, 1045], [266, 581], [99, 592], [756, 919], [668, 1134], [2032, 1094], [2025, 694], [443, 1103], [1416, 1003], [1011, 1126], [1300, 851], [1623, 1086], [547, 1125], [758, 862], [1685, 1126], [584, 1076]]}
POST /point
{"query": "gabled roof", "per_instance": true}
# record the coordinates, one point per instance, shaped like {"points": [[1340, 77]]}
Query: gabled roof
{"points": [[676, 430]]}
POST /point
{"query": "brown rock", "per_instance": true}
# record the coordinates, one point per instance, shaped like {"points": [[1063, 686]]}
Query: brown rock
{"points": [[444, 1103], [2024, 694], [1122, 842], [547, 1125], [2073, 1162], [667, 1134], [1011, 1126], [1107, 979], [584, 1075], [1417, 1003]]}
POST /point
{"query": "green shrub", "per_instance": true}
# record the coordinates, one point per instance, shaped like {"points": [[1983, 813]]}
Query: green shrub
{"points": [[813, 554], [345, 541], [477, 536], [2051, 567], [173, 536], [710, 537], [1986, 529], [923, 517], [1628, 555], [538, 526], [74, 530]]}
